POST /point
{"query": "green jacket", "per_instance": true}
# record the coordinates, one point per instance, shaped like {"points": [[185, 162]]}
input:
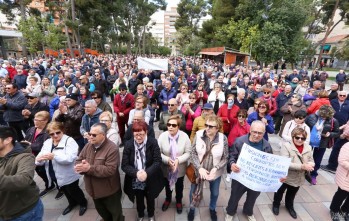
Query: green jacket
{"points": [[18, 191]]}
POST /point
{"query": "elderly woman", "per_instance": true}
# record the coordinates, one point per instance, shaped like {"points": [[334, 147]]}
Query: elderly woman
{"points": [[302, 160], [239, 127], [289, 109], [228, 112], [183, 96], [141, 162], [113, 131], [319, 102], [36, 136], [298, 121], [201, 95], [84, 95], [47, 91], [209, 157], [175, 149], [141, 103], [32, 87], [262, 114], [323, 129], [216, 97], [302, 88], [58, 154], [340, 201], [191, 110]]}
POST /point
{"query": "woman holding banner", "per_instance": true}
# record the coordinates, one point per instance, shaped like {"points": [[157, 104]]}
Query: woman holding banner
{"points": [[302, 162]]}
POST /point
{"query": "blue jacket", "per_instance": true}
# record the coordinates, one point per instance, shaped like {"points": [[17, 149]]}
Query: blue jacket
{"points": [[88, 121], [340, 78], [166, 95], [281, 100], [342, 112], [14, 106], [54, 105], [269, 128]]}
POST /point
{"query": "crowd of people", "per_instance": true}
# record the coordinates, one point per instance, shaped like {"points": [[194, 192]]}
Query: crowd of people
{"points": [[58, 122]]}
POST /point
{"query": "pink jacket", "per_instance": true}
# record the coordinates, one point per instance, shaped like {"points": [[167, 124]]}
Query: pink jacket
{"points": [[342, 172], [189, 118]]}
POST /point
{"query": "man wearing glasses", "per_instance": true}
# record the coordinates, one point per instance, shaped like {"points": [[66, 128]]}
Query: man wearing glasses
{"points": [[254, 139], [172, 110], [13, 103], [84, 82], [101, 85], [33, 106], [102, 177]]}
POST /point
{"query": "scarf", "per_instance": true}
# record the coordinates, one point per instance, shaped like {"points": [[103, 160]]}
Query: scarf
{"points": [[123, 97], [139, 163], [172, 175], [319, 127]]}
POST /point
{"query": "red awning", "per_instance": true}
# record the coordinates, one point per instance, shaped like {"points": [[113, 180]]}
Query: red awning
{"points": [[211, 53]]}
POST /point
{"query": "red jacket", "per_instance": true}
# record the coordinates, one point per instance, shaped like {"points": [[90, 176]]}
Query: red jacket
{"points": [[272, 105], [317, 104], [11, 72], [124, 107], [238, 131], [227, 116], [204, 97]]}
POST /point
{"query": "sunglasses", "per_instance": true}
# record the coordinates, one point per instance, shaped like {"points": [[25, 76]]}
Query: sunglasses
{"points": [[210, 126], [122, 89], [31, 98], [92, 135], [55, 133], [241, 116], [263, 107], [300, 118], [266, 92], [300, 138], [342, 95], [256, 103], [172, 125], [171, 105], [95, 97]]}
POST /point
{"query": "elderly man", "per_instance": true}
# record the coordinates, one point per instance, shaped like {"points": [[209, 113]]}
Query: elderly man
{"points": [[340, 79], [13, 103], [19, 193], [166, 94], [333, 92], [29, 111], [172, 110], [138, 116], [71, 115], [102, 178], [101, 85], [341, 107], [240, 100], [85, 82], [254, 139], [281, 100], [90, 117]]}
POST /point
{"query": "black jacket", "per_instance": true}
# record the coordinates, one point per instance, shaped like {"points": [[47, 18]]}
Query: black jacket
{"points": [[72, 121], [128, 134], [155, 181], [36, 144], [33, 110]]}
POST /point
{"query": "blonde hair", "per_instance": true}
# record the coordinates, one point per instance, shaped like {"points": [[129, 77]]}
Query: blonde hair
{"points": [[55, 126]]}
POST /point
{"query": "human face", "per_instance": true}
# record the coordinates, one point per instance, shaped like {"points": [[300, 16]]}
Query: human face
{"points": [[192, 100], [56, 135], [45, 81], [262, 108], [241, 118], [184, 89], [294, 98], [168, 85], [256, 133], [217, 88], [172, 127], [299, 139], [258, 87], [342, 96], [82, 90], [40, 122], [90, 109], [288, 89], [266, 93], [255, 105], [32, 100], [299, 120], [70, 102], [139, 104], [207, 112], [139, 136], [32, 82], [211, 128], [137, 117], [96, 135], [123, 91], [61, 92], [97, 99], [67, 82], [149, 87], [220, 79], [172, 106]]}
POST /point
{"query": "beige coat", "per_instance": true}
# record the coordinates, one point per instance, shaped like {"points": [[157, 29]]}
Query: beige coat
{"points": [[295, 175], [183, 152], [342, 172]]}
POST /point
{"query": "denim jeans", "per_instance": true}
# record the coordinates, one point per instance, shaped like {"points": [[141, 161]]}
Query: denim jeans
{"points": [[35, 214], [214, 190]]}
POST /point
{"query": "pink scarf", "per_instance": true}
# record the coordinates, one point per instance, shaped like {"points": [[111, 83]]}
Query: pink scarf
{"points": [[172, 175]]}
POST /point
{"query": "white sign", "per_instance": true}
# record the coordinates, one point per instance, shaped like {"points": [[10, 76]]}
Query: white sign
{"points": [[152, 64], [260, 171]]}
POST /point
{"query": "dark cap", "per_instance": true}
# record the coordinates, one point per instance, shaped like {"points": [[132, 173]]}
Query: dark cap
{"points": [[72, 96], [122, 86], [208, 106]]}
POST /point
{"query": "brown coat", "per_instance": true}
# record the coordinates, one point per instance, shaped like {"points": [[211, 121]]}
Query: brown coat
{"points": [[295, 176], [103, 179], [289, 115]]}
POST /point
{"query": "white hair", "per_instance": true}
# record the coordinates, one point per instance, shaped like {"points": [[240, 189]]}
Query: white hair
{"points": [[241, 90], [91, 102]]}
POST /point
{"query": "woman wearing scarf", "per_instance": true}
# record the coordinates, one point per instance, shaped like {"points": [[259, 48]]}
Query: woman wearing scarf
{"points": [[141, 162], [228, 112], [323, 129], [175, 149], [209, 156]]}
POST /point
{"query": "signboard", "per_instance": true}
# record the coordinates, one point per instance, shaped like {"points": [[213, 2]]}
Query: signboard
{"points": [[260, 171], [152, 64]]}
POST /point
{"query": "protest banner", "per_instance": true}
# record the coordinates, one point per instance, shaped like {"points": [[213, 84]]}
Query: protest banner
{"points": [[152, 64], [260, 171]]}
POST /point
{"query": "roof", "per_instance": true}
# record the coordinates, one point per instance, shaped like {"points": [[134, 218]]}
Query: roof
{"points": [[210, 53], [337, 38], [10, 33], [220, 50]]}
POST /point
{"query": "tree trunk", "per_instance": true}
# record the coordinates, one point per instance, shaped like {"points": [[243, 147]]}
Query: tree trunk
{"points": [[144, 39], [328, 32], [68, 40], [23, 17]]}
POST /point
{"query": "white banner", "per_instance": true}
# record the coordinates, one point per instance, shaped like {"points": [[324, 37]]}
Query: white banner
{"points": [[153, 64], [260, 171]]}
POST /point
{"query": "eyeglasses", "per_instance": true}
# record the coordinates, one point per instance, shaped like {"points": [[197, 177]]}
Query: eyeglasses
{"points": [[104, 121], [122, 89], [256, 103], [31, 98], [95, 97], [257, 133], [171, 105], [300, 138], [139, 135], [172, 125], [55, 133], [266, 92], [300, 118], [241, 116], [8, 88], [342, 95], [92, 135], [210, 126]]}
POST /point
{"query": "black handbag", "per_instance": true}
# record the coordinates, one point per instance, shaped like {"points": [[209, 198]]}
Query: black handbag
{"points": [[307, 175]]}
